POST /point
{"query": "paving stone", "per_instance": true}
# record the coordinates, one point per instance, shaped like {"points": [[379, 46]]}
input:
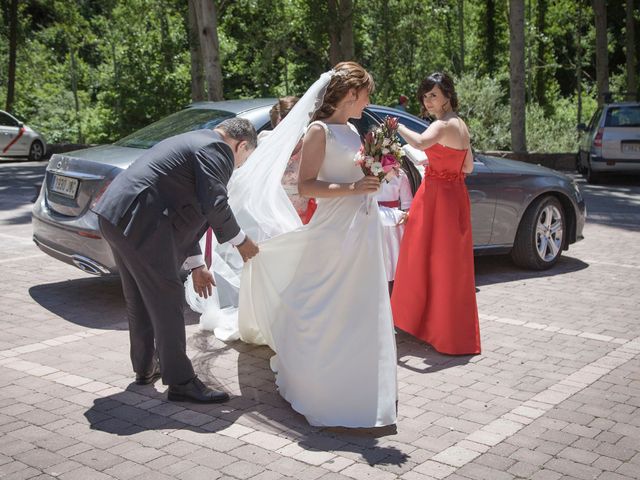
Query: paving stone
{"points": [[554, 395], [199, 473]]}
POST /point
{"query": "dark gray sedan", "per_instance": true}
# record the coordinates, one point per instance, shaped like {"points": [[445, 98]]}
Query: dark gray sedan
{"points": [[529, 211]]}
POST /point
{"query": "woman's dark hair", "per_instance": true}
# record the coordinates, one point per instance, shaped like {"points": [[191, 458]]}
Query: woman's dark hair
{"points": [[347, 75], [442, 81]]}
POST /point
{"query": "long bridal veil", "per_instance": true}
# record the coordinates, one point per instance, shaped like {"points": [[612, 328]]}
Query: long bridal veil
{"points": [[262, 209]]}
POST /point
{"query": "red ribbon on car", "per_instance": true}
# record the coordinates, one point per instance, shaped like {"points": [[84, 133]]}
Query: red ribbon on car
{"points": [[16, 138]]}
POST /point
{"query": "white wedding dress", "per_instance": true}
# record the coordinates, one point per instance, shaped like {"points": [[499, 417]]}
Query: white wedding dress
{"points": [[316, 294], [318, 297]]}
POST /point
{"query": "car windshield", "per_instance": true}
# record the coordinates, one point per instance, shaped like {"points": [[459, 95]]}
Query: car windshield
{"points": [[180, 122], [628, 116]]}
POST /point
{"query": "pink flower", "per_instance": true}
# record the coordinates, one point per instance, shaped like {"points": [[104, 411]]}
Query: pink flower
{"points": [[389, 162], [392, 123]]}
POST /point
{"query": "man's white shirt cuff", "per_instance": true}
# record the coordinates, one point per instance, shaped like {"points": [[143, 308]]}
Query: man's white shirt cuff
{"points": [[198, 260], [193, 262], [238, 239]]}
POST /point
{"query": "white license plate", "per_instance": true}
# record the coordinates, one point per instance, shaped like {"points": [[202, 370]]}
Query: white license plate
{"points": [[65, 186], [631, 148]]}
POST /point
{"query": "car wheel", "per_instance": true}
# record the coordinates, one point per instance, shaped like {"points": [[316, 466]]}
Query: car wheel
{"points": [[36, 152], [589, 174], [540, 236], [579, 166]]}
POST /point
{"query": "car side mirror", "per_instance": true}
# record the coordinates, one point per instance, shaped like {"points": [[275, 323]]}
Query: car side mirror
{"points": [[20, 124], [582, 127]]}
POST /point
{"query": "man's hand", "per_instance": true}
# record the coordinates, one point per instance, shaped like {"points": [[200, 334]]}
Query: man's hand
{"points": [[203, 282], [248, 249], [403, 219]]}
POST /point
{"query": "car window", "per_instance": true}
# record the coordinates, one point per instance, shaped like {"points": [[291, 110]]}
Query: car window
{"points": [[7, 121], [594, 119], [627, 116], [266, 126], [365, 123], [180, 122]]}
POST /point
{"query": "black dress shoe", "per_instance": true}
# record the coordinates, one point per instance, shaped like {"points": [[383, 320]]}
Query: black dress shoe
{"points": [[195, 391], [148, 378]]}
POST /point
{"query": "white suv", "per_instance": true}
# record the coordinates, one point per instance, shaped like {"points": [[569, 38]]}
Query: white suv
{"points": [[611, 141]]}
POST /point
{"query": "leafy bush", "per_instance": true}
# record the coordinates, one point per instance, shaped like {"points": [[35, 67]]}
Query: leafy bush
{"points": [[485, 109]]}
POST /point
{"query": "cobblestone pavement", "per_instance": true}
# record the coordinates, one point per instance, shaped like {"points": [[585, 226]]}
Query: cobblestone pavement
{"points": [[555, 393]]}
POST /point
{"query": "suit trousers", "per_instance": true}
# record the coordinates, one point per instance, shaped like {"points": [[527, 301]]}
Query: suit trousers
{"points": [[155, 300]]}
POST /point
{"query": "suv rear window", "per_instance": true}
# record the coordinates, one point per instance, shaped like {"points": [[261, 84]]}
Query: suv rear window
{"points": [[179, 122], [623, 116]]}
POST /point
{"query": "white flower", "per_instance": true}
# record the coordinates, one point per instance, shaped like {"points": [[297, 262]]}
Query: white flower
{"points": [[385, 151], [376, 168], [368, 161], [386, 142]]}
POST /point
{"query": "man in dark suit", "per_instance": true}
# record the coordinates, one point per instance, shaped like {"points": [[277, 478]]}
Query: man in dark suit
{"points": [[153, 215]]}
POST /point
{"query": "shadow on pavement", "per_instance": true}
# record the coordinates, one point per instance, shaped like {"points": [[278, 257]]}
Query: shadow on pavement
{"points": [[259, 406], [613, 201], [499, 269], [17, 182], [432, 361], [94, 302]]}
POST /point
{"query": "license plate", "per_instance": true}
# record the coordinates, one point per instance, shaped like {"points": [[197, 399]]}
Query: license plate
{"points": [[65, 186], [631, 147]]}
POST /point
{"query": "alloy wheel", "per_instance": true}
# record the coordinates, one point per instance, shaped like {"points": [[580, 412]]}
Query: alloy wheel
{"points": [[549, 233]]}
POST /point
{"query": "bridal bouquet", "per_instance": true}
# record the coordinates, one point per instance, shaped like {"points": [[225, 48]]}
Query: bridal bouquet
{"points": [[381, 153]]}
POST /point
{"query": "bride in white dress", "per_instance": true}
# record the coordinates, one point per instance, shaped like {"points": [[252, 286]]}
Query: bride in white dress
{"points": [[317, 295]]}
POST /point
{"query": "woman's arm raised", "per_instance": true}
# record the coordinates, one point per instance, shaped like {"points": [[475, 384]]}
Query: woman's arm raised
{"points": [[313, 150], [433, 134]]}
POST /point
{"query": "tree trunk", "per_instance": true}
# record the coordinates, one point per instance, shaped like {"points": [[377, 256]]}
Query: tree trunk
{"points": [[387, 61], [490, 34], [528, 68], [208, 28], [346, 32], [13, 50], [461, 33], [517, 75], [165, 39], [197, 72], [541, 70], [579, 62], [116, 83], [74, 89], [632, 78], [602, 59], [335, 52], [341, 44]]}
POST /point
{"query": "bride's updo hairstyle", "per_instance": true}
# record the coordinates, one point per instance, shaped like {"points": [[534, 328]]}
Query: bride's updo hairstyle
{"points": [[442, 81], [346, 75]]}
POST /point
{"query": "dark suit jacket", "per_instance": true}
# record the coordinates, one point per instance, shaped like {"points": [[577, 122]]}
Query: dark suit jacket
{"points": [[182, 179]]}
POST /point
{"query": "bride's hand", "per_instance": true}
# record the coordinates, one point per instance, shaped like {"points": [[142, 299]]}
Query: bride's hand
{"points": [[203, 282], [403, 219], [368, 184]]}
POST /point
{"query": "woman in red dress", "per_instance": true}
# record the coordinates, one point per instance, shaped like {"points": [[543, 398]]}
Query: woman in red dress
{"points": [[434, 296]]}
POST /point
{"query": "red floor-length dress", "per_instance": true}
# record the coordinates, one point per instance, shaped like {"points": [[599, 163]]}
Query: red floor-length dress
{"points": [[434, 296]]}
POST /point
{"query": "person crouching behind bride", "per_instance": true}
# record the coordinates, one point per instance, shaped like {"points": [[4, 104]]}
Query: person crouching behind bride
{"points": [[317, 295]]}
